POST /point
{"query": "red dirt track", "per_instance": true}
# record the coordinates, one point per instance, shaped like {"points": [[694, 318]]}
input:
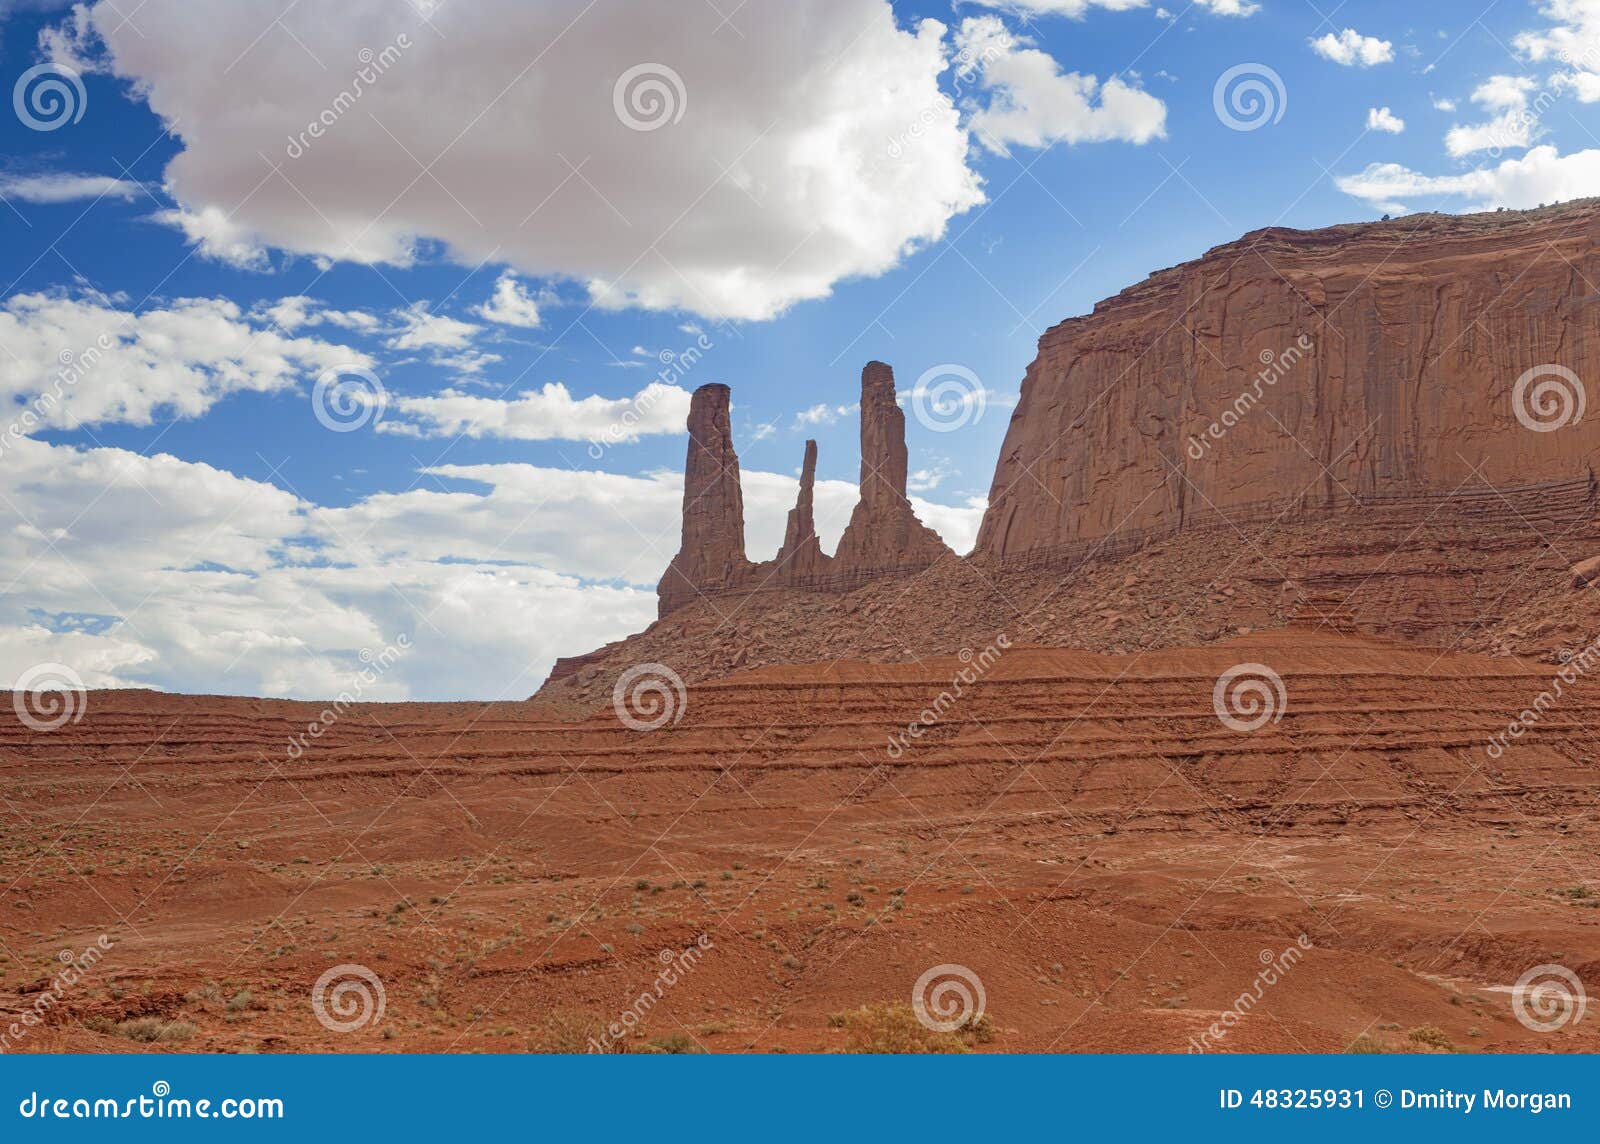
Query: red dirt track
{"points": [[1081, 832]]}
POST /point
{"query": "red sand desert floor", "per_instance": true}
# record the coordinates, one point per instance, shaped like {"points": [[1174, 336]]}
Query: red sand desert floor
{"points": [[1081, 834]]}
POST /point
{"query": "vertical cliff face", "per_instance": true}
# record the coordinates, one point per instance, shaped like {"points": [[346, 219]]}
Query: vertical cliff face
{"points": [[884, 535], [712, 553], [1312, 367]]}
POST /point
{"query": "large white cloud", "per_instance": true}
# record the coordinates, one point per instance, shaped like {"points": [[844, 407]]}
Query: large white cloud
{"points": [[1076, 9], [1034, 104], [200, 580], [497, 132], [78, 360], [1571, 45], [1543, 175], [550, 413]]}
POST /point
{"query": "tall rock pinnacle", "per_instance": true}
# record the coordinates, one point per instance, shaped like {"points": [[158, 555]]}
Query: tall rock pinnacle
{"points": [[884, 533], [712, 553], [801, 556]]}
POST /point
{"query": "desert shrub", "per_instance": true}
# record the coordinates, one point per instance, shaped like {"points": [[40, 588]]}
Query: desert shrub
{"points": [[1365, 1045], [145, 1030], [572, 1031], [671, 1044], [894, 1028], [1433, 1037]]}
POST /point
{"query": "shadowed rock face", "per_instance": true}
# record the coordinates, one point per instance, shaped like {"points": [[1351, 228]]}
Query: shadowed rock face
{"points": [[802, 552], [712, 554], [884, 534], [1310, 366]]}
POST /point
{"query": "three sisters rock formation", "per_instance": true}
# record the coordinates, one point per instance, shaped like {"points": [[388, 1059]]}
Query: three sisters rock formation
{"points": [[884, 536]]}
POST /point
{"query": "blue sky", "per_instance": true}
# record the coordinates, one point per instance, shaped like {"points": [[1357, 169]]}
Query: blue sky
{"points": [[929, 184]]}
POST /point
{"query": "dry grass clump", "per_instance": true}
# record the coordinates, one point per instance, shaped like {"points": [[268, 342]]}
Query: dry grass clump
{"points": [[572, 1031], [893, 1027], [145, 1030]]}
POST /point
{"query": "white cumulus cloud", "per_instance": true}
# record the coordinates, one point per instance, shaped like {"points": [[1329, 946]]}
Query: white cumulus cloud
{"points": [[1351, 49], [511, 304], [1033, 103], [1543, 175], [768, 181], [1382, 119]]}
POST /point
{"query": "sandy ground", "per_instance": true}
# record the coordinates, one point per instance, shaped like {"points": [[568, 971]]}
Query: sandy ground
{"points": [[1081, 834]]}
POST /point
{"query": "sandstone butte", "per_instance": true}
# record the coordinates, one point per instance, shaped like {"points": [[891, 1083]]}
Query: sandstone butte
{"points": [[1381, 385], [884, 536]]}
